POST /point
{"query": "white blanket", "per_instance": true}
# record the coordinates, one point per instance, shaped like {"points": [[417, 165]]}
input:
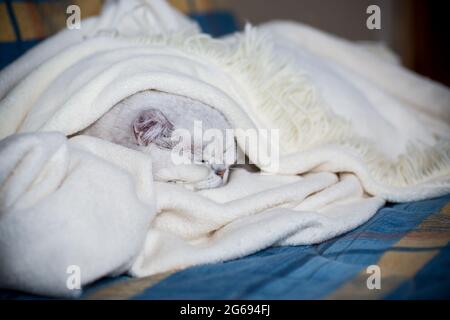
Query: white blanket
{"points": [[355, 130]]}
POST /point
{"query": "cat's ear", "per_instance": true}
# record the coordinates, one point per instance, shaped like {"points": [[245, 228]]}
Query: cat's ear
{"points": [[152, 126]]}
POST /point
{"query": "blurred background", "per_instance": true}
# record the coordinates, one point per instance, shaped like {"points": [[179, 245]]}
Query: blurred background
{"points": [[415, 29]]}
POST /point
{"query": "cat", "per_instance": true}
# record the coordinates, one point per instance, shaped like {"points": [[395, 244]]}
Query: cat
{"points": [[148, 122]]}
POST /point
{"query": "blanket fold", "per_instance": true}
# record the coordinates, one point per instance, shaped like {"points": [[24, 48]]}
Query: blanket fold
{"points": [[355, 131], [64, 205]]}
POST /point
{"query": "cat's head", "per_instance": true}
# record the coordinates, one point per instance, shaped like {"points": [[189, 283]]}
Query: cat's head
{"points": [[179, 153]]}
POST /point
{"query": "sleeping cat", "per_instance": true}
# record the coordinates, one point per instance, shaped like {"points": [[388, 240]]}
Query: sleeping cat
{"points": [[149, 120]]}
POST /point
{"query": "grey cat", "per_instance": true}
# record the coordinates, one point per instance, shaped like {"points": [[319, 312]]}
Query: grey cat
{"points": [[147, 121]]}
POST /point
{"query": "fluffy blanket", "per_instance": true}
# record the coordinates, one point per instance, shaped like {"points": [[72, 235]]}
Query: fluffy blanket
{"points": [[356, 129]]}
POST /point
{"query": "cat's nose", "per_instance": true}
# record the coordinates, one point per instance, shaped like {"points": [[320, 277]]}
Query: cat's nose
{"points": [[220, 172]]}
